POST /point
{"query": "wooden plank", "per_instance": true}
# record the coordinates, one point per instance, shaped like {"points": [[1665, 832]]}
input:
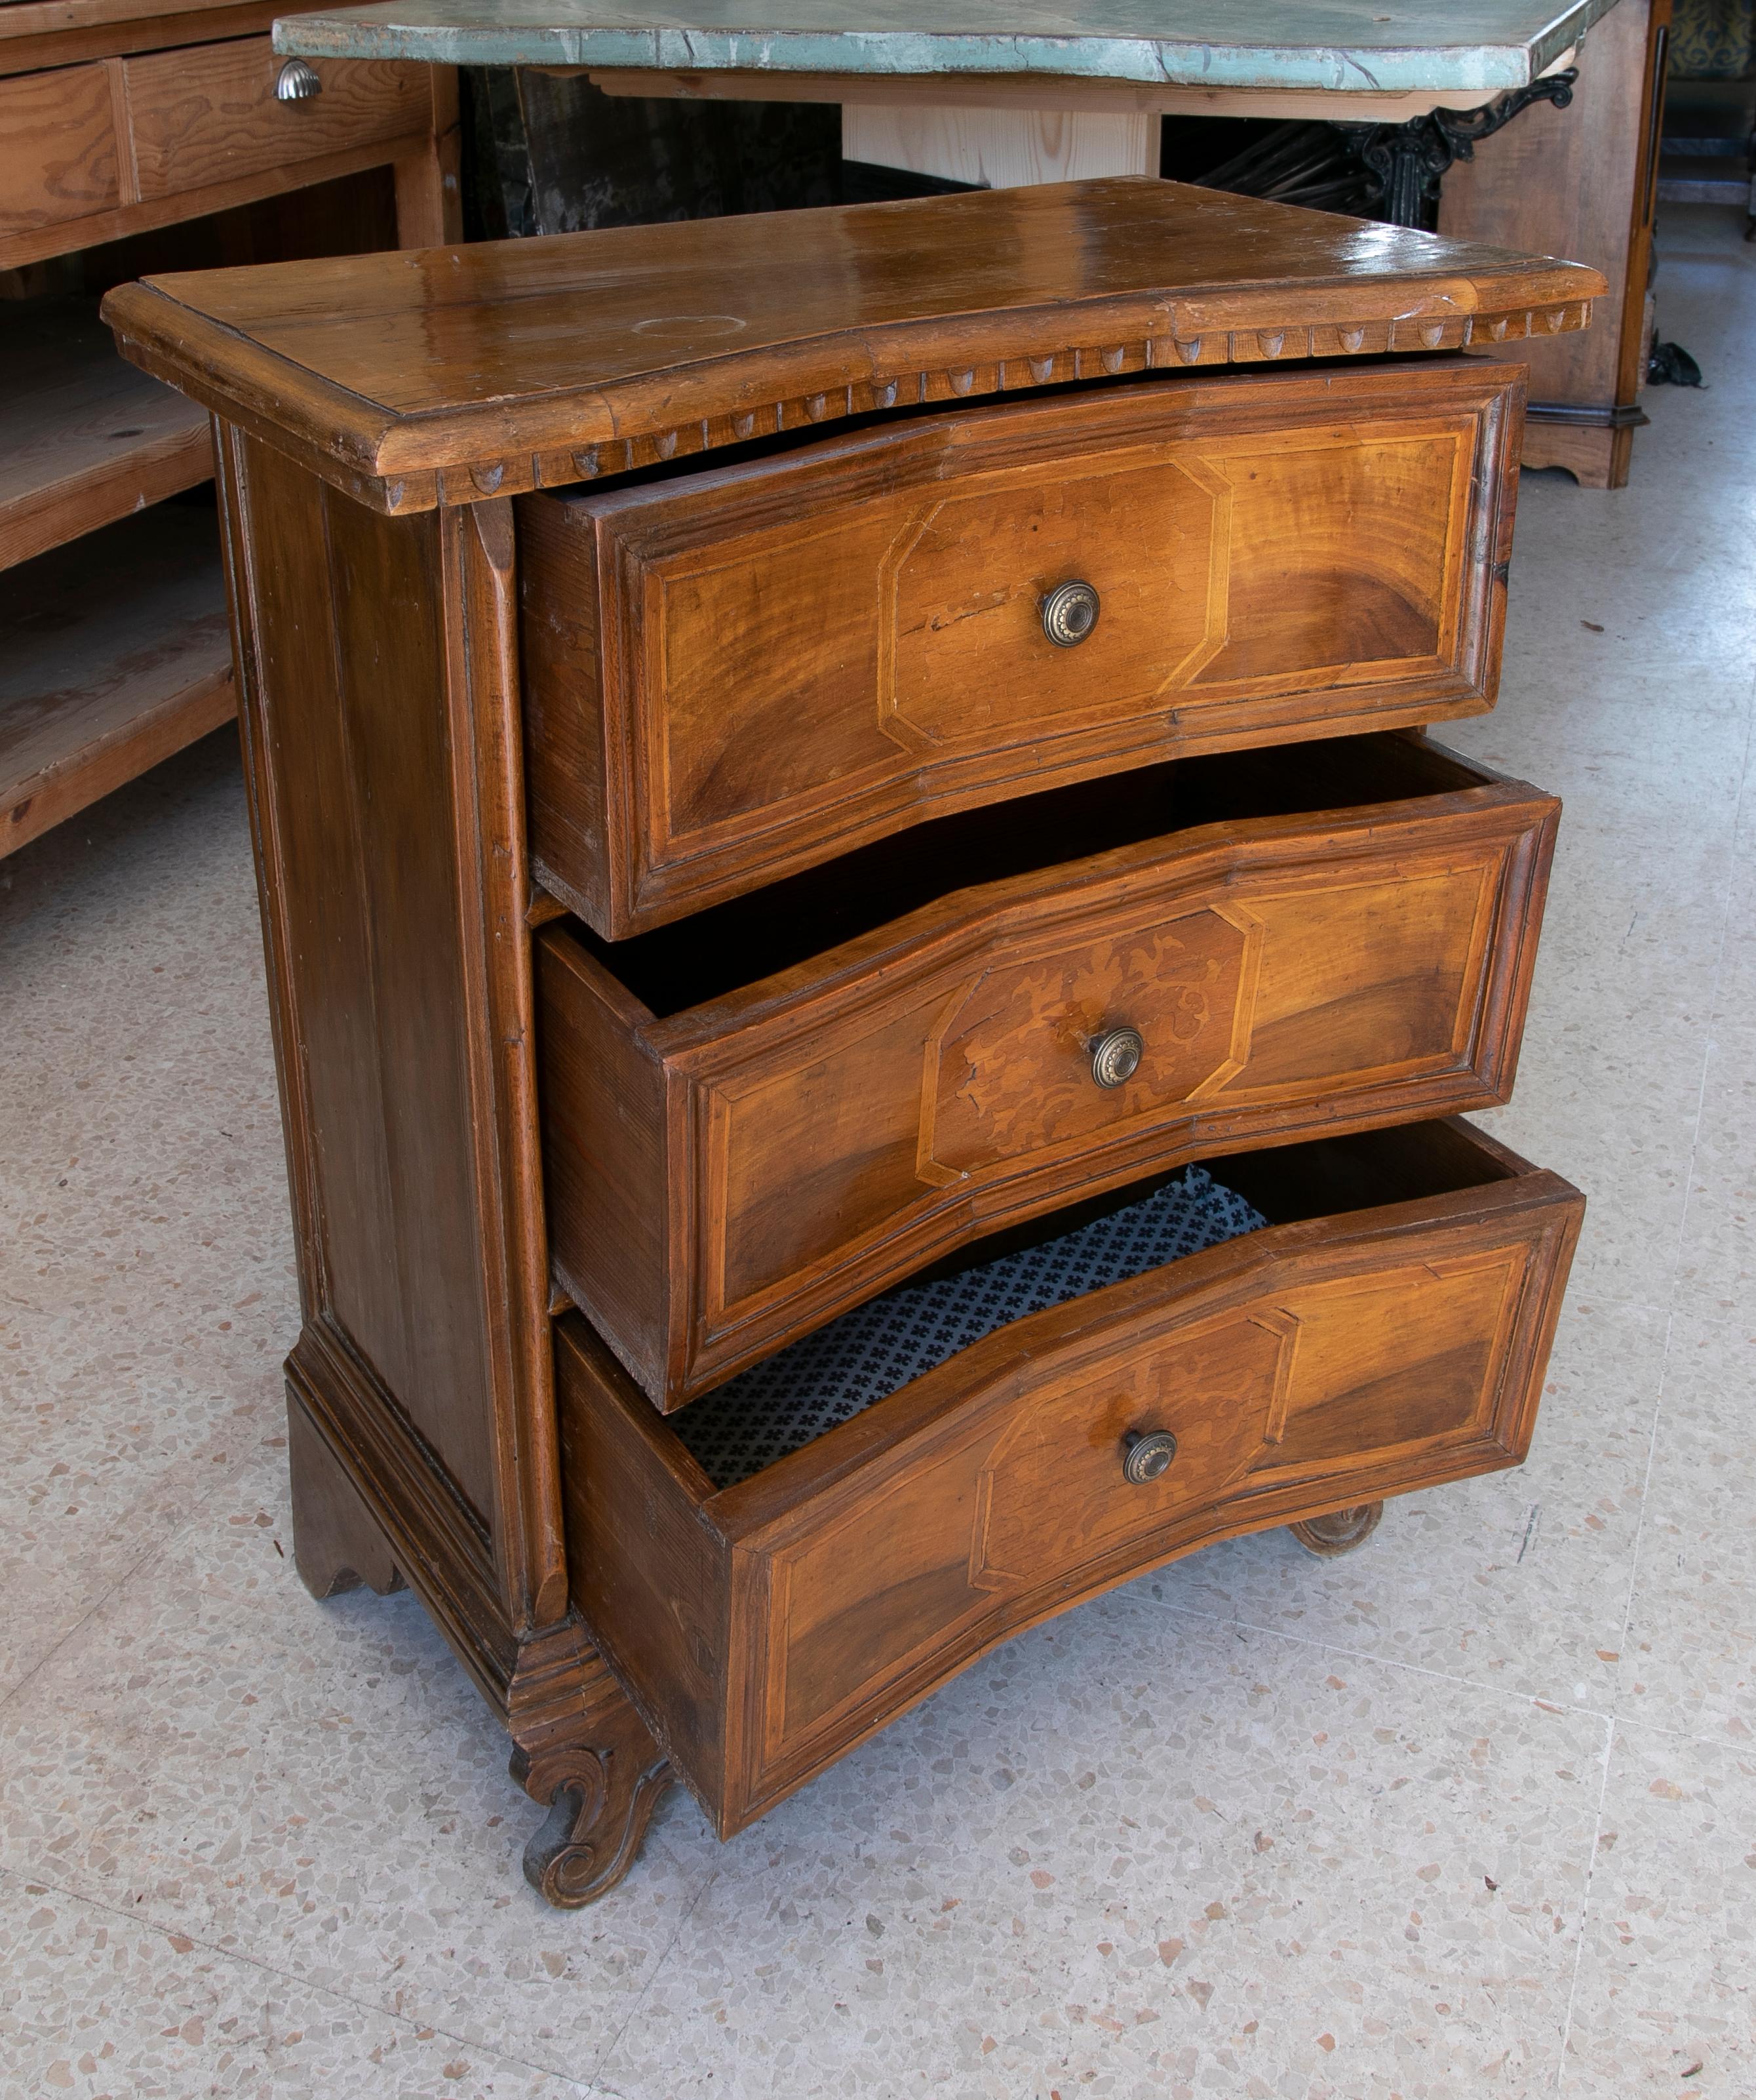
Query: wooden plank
{"points": [[1029, 91], [117, 224], [33, 38], [113, 653], [25, 19], [1003, 147], [84, 437], [526, 363]]}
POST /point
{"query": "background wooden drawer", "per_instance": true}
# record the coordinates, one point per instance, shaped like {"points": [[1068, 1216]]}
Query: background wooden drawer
{"points": [[208, 114], [756, 1118], [1394, 1340], [58, 156], [734, 673]]}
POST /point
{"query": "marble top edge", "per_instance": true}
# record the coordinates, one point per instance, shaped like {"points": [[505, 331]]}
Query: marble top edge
{"points": [[1259, 46]]}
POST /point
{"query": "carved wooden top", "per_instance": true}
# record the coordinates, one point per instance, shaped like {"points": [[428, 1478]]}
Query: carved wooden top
{"points": [[445, 376]]}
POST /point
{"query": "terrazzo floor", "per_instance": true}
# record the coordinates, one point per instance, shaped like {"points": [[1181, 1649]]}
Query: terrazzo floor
{"points": [[1470, 1812]]}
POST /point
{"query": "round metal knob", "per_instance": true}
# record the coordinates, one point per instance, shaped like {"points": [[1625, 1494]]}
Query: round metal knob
{"points": [[1070, 612], [297, 82], [1146, 1455], [1115, 1056]]}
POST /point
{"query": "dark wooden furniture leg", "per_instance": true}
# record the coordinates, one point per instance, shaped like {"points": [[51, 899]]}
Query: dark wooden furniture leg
{"points": [[601, 1775], [336, 1545], [1340, 1532]]}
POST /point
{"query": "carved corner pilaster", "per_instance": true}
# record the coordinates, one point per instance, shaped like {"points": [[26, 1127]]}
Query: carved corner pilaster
{"points": [[581, 1751]]}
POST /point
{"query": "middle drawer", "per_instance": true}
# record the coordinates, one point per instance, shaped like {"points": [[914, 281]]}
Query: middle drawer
{"points": [[758, 1117]]}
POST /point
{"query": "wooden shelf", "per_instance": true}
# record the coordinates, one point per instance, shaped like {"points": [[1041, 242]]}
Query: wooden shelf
{"points": [[113, 653], [84, 437]]}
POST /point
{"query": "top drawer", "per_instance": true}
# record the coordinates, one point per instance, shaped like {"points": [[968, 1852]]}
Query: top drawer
{"points": [[733, 674]]}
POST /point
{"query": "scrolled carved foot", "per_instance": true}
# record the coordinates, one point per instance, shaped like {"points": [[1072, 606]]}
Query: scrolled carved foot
{"points": [[1340, 1532], [600, 1800]]}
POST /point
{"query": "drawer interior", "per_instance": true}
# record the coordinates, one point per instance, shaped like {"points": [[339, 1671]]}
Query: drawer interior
{"points": [[779, 1406], [733, 945]]}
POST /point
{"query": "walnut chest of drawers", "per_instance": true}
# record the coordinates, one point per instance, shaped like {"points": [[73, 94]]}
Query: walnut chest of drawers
{"points": [[799, 761]]}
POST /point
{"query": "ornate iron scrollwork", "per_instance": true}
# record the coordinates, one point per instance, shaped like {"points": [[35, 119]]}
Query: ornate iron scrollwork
{"points": [[1405, 163]]}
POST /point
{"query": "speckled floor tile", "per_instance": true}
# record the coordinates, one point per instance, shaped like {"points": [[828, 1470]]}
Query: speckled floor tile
{"points": [[94, 2005], [1689, 1662], [1610, 1084], [1717, 1264], [1518, 1582], [1609, 1089], [148, 1293], [101, 1462], [318, 1787], [1136, 1855], [1666, 2002]]}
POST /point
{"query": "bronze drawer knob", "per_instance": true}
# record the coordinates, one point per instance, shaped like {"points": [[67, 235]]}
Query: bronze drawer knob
{"points": [[1146, 1455], [1070, 612], [1115, 1056], [297, 82]]}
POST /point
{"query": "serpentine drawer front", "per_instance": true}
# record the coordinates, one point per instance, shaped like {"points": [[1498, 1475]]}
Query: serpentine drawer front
{"points": [[756, 1118], [1397, 1337], [732, 674]]}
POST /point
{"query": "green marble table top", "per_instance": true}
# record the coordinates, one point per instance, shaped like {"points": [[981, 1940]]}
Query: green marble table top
{"points": [[1476, 47]]}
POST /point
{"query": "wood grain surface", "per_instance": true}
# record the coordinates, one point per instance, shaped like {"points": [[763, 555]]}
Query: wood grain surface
{"points": [[84, 437], [38, 34], [511, 365], [114, 653], [734, 673], [968, 142], [1395, 1342], [59, 154], [380, 739], [207, 115], [741, 1144]]}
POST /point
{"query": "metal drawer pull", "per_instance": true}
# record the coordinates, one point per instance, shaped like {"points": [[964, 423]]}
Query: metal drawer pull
{"points": [[1070, 612], [1146, 1455], [1115, 1056], [297, 82]]}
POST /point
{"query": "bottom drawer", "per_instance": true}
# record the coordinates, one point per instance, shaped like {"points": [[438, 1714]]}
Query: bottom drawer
{"points": [[1385, 1326]]}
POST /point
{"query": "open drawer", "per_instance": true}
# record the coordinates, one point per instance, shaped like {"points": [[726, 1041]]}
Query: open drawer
{"points": [[1387, 1329], [757, 1117], [733, 672]]}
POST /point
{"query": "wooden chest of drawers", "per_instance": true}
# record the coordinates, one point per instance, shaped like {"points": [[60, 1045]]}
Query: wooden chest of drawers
{"points": [[804, 769]]}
